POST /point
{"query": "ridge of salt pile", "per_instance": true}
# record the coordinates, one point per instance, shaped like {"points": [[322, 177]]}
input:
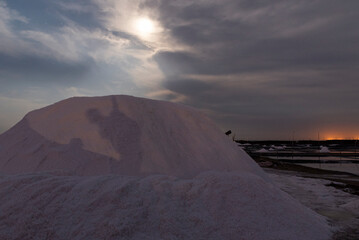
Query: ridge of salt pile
{"points": [[119, 135]]}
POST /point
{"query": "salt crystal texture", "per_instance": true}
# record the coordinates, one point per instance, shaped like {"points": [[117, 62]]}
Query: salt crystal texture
{"points": [[212, 205], [121, 167]]}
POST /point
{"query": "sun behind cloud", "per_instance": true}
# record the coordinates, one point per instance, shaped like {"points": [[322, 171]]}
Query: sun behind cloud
{"points": [[144, 26]]}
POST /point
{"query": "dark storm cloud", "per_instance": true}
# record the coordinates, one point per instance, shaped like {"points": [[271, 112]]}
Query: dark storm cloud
{"points": [[277, 38], [286, 59], [187, 87], [35, 66], [233, 55]]}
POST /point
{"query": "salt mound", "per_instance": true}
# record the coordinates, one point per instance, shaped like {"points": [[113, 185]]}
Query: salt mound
{"points": [[119, 135], [151, 163], [262, 150], [213, 206], [352, 206], [324, 149]]}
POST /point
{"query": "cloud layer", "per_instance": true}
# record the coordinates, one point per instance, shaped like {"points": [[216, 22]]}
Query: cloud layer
{"points": [[265, 69], [262, 69]]}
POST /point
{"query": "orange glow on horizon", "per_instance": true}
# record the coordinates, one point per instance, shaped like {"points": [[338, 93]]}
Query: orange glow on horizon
{"points": [[337, 136], [334, 138]]}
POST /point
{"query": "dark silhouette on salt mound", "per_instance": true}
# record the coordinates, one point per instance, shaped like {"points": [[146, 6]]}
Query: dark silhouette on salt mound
{"points": [[124, 135]]}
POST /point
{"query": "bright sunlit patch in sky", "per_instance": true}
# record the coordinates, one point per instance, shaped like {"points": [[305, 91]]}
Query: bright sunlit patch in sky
{"points": [[144, 26]]}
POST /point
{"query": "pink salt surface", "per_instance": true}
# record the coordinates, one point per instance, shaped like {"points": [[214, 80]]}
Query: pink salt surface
{"points": [[121, 135], [120, 167]]}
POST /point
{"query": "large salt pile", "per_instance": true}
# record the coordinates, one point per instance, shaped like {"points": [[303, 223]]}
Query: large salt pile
{"points": [[119, 134], [121, 167]]}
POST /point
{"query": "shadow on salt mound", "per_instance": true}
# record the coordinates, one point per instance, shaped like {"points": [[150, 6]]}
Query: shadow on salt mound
{"points": [[123, 133]]}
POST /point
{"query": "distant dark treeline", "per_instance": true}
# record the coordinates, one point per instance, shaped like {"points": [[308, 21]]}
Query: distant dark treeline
{"points": [[288, 142]]}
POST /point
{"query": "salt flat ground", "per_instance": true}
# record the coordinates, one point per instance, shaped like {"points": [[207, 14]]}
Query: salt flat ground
{"points": [[341, 208]]}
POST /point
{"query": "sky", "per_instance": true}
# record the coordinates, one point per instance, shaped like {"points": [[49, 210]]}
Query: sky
{"points": [[278, 69]]}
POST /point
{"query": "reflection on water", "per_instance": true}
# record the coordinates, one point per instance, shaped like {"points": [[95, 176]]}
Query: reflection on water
{"points": [[339, 155], [334, 163], [343, 167]]}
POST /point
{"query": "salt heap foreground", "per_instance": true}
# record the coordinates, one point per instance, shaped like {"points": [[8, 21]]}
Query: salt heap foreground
{"points": [[121, 167]]}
